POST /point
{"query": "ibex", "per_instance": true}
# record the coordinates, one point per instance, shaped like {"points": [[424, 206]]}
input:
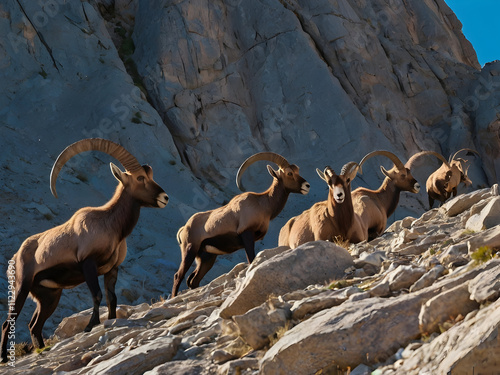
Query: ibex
{"points": [[330, 219], [443, 182], [375, 206], [91, 243], [238, 224]]}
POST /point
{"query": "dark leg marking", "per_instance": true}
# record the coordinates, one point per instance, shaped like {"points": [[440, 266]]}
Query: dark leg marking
{"points": [[89, 270], [187, 260], [205, 262], [47, 301], [247, 237], [109, 283]]}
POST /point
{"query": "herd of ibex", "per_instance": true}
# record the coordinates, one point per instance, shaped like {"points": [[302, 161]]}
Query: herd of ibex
{"points": [[93, 241]]}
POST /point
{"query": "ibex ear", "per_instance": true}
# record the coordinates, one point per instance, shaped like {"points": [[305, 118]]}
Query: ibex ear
{"points": [[384, 171], [321, 174], [116, 172], [272, 172]]}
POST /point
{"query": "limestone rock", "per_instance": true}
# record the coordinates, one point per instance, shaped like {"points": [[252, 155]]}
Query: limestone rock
{"points": [[487, 218], [382, 289], [140, 359], [71, 325], [287, 76], [357, 331], [469, 344], [402, 277], [375, 259], [446, 306], [489, 237], [76, 323], [160, 313], [221, 356], [193, 88], [455, 254], [239, 366], [300, 350], [313, 262], [459, 204], [428, 278], [486, 287], [311, 305], [259, 324], [185, 367]]}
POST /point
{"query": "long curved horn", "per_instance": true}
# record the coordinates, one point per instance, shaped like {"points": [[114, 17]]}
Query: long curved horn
{"points": [[398, 163], [412, 160], [350, 169], [463, 149], [128, 161], [269, 156]]}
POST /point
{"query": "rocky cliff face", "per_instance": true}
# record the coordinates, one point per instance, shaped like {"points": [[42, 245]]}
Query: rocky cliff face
{"points": [[193, 88]]}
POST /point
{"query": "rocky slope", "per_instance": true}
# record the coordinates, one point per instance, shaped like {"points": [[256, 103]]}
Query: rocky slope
{"points": [[194, 87], [423, 298]]}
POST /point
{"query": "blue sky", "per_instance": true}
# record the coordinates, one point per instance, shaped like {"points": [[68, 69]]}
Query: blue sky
{"points": [[481, 26]]}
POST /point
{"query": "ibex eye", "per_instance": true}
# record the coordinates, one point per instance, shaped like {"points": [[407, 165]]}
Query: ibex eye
{"points": [[289, 174], [140, 178]]}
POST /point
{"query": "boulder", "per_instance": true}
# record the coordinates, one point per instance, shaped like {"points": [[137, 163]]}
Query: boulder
{"points": [[487, 218], [469, 346], [258, 325], [311, 305], [366, 331], [428, 278], [445, 306], [402, 277], [141, 359], [76, 323], [486, 287], [489, 237], [461, 203], [238, 366], [310, 263]]}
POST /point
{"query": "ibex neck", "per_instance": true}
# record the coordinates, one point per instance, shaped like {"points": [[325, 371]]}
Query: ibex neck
{"points": [[123, 211], [389, 195], [342, 213], [277, 197]]}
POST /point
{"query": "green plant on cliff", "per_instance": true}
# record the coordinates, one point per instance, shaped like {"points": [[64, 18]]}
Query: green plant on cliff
{"points": [[126, 49], [467, 232], [482, 254]]}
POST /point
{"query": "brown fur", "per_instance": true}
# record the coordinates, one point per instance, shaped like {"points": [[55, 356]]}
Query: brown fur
{"points": [[375, 206], [92, 242], [325, 220], [238, 224], [443, 182]]}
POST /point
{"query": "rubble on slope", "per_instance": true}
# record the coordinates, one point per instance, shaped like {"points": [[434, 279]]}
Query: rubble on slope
{"points": [[426, 287]]}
